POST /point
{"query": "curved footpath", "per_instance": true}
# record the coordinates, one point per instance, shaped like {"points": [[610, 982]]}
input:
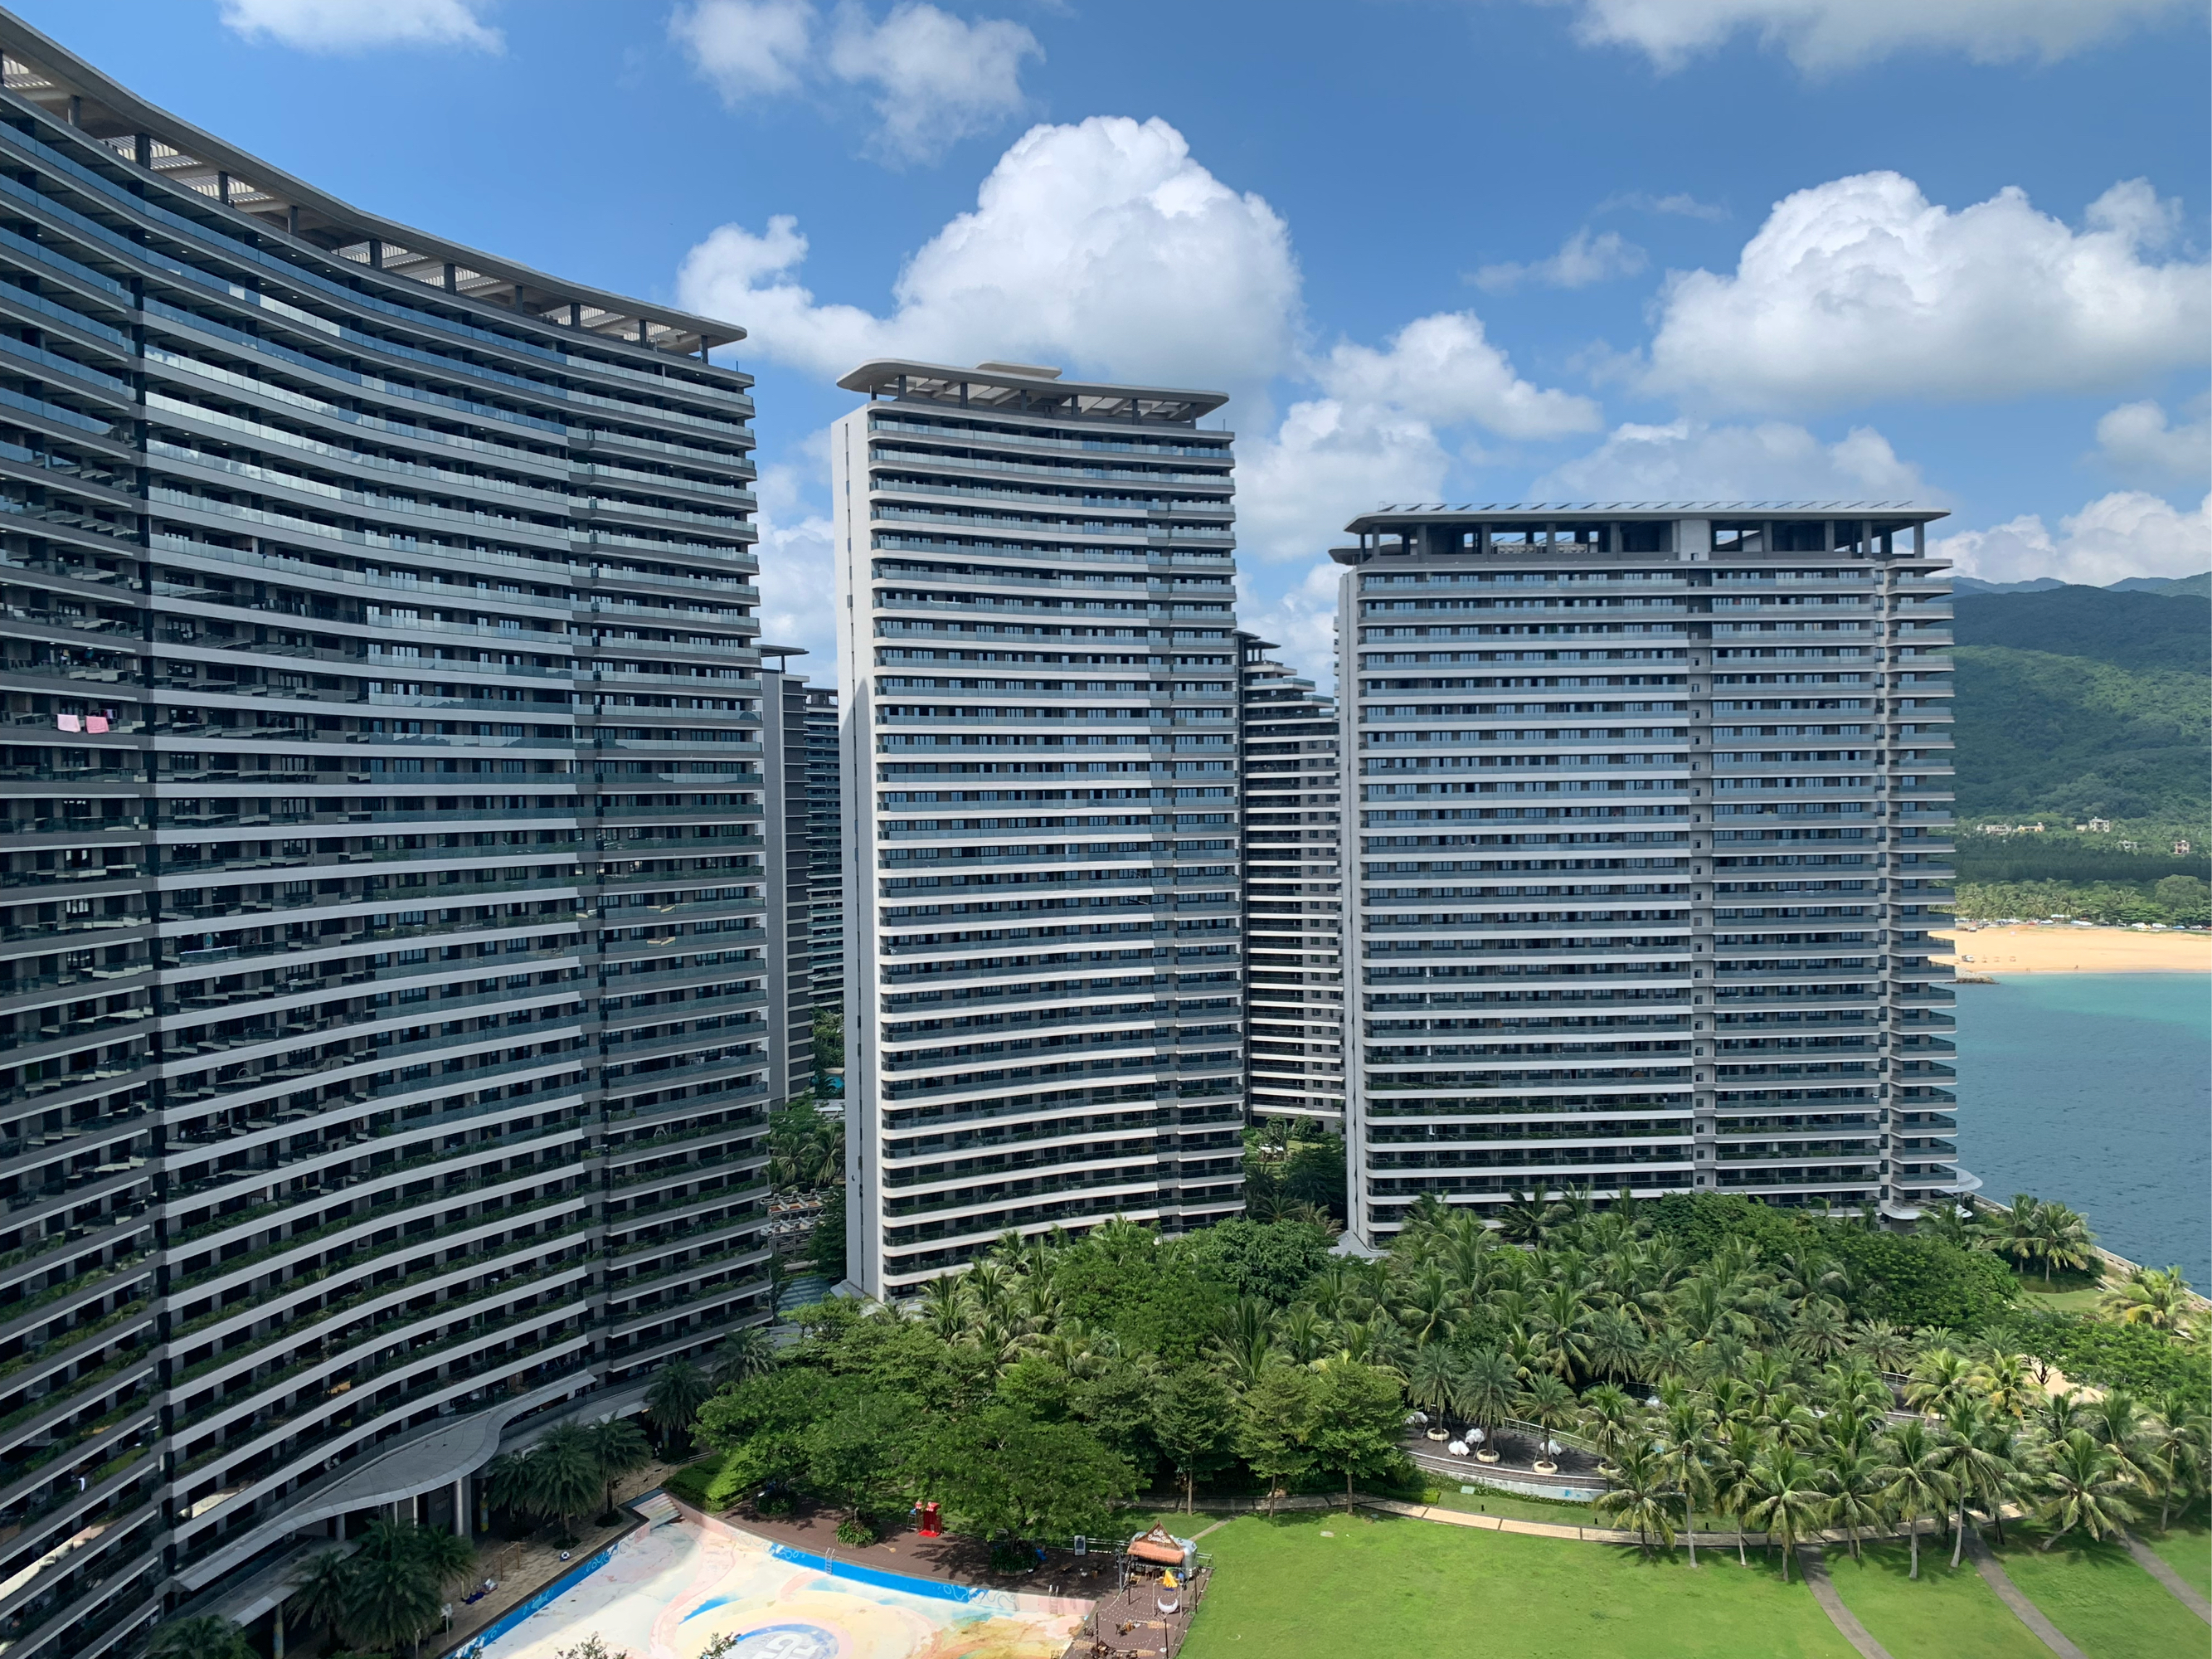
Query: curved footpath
{"points": [[1809, 1553]]}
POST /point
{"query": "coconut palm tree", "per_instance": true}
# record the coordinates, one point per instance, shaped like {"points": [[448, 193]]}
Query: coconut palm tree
{"points": [[2175, 1442], [1613, 1420], [1638, 1497], [1244, 1338], [1819, 1331], [1790, 1498], [1429, 1380], [620, 1449], [1483, 1390], [1952, 1223], [1301, 1333], [1688, 1452], [2007, 1383], [1529, 1218], [2063, 1239], [1938, 1381], [1856, 1504], [2157, 1298], [1736, 1466], [2017, 1233], [672, 1400], [1983, 1460], [1913, 1481], [2086, 1488], [1614, 1345], [557, 1479], [206, 1637], [1548, 1403]]}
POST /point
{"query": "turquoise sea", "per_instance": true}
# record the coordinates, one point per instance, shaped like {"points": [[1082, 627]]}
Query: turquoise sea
{"points": [[2096, 1089]]}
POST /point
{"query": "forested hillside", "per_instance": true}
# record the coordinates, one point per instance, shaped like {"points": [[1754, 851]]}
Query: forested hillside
{"points": [[2081, 701]]}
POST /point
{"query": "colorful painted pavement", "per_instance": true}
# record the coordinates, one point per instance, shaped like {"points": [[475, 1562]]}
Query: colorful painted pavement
{"points": [[670, 1591]]}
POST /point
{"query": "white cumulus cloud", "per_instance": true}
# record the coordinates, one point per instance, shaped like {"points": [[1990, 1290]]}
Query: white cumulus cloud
{"points": [[747, 48], [355, 25], [1300, 620], [2136, 442], [2127, 533], [1825, 35], [939, 79], [1861, 288], [1103, 247], [936, 78], [1771, 461], [1582, 260]]}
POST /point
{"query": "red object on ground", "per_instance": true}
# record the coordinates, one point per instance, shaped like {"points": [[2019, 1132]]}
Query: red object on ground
{"points": [[931, 1526]]}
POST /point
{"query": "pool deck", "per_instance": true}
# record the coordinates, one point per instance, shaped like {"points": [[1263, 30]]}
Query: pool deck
{"points": [[947, 1559]]}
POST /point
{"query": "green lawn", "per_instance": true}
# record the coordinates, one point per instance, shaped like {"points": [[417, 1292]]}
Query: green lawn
{"points": [[2096, 1594], [1953, 1615], [2187, 1547], [1388, 1589]]}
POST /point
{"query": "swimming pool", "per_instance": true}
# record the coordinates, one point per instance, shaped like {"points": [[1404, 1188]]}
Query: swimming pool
{"points": [[668, 1590]]}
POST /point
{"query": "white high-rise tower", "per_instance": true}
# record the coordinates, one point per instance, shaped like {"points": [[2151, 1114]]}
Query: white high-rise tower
{"points": [[1038, 676]]}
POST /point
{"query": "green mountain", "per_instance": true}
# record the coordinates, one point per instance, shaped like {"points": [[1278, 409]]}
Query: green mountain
{"points": [[2086, 701]]}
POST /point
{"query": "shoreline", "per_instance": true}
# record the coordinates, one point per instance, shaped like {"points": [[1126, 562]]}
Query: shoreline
{"points": [[1997, 952]]}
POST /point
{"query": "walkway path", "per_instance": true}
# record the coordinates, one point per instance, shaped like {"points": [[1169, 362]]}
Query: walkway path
{"points": [[1997, 1579], [2153, 1564], [1846, 1622]]}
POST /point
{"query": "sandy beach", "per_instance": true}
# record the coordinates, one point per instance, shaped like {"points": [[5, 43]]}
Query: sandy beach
{"points": [[2064, 949]]}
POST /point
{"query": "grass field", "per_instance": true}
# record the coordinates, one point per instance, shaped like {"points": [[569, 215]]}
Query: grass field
{"points": [[1954, 1614], [2186, 1547], [2096, 1595], [1387, 1589]]}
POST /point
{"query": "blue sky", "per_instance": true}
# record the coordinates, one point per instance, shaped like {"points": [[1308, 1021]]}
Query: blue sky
{"points": [[1950, 251]]}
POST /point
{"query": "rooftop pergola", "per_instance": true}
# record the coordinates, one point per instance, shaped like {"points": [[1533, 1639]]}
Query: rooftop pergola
{"points": [[1028, 389], [44, 73]]}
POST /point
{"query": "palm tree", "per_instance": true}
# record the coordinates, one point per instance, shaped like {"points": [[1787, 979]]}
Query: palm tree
{"points": [[1613, 1420], [1614, 1345], [2158, 1299], [1638, 1497], [1880, 1344], [1950, 1223], [1738, 1485], [620, 1447], [1912, 1481], [1484, 1388], [1791, 1500], [2017, 1233], [2007, 1383], [1853, 1477], [1819, 1331], [320, 1588], [397, 1580], [1244, 1337], [1429, 1381], [207, 1637], [2086, 1490], [2174, 1442], [944, 1306], [672, 1400], [1940, 1379], [559, 1477], [1548, 1403], [1981, 1460], [746, 1352], [1689, 1449], [2063, 1239], [1528, 1218]]}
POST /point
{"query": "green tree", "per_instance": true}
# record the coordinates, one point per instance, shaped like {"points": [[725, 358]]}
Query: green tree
{"points": [[854, 1452], [1195, 1422], [1913, 1481], [1688, 1452], [1638, 1496], [828, 1040], [1010, 1476], [1358, 1415], [746, 1352], [1791, 1500], [619, 1448], [1485, 1388], [672, 1401], [560, 1476], [396, 1581], [205, 1637], [320, 1591], [1275, 1426], [2084, 1488]]}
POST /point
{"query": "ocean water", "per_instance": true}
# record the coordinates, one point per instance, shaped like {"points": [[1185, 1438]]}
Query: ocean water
{"points": [[2096, 1090]]}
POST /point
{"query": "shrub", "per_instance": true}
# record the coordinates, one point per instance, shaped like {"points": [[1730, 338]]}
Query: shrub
{"points": [[2107, 1354], [855, 1533]]}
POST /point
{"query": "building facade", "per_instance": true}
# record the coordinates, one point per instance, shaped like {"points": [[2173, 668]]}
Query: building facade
{"points": [[825, 878], [1649, 810], [786, 766], [1293, 905], [382, 1058], [1038, 679]]}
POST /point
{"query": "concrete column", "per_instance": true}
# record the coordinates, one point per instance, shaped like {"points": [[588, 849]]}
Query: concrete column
{"points": [[276, 1632], [461, 1507]]}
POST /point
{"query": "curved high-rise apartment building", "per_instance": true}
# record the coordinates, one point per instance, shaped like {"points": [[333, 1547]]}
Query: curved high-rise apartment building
{"points": [[1647, 814], [1293, 919], [381, 1055], [1039, 684]]}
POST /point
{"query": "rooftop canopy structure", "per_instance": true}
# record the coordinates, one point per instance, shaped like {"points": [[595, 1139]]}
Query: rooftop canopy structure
{"points": [[1027, 389]]}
